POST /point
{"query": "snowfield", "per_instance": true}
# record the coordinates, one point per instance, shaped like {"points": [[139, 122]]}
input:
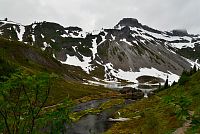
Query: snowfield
{"points": [[73, 60], [132, 76]]}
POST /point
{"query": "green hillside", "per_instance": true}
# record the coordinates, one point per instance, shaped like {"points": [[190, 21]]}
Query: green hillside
{"points": [[31, 60], [164, 112]]}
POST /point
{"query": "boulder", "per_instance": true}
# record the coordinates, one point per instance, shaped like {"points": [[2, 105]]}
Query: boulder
{"points": [[132, 93], [137, 95]]}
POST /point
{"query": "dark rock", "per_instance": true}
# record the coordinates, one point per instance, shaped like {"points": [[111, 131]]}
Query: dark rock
{"points": [[132, 93], [149, 79], [128, 22], [125, 90], [71, 29], [180, 32], [137, 95]]}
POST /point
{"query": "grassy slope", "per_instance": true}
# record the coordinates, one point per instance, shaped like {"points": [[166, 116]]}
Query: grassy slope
{"points": [[33, 60], [155, 116], [36, 60]]}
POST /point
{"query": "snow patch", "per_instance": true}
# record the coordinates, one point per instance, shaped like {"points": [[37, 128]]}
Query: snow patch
{"points": [[73, 60], [33, 26], [193, 62], [103, 38], [45, 46], [182, 45], [42, 36], [147, 35], [53, 40], [119, 27], [132, 76], [94, 47], [95, 32], [64, 36], [124, 40], [95, 83], [113, 37], [21, 33]]}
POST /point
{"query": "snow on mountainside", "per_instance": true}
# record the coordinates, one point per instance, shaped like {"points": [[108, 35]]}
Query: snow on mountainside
{"points": [[127, 51]]}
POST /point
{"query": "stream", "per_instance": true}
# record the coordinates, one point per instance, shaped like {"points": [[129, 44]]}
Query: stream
{"points": [[99, 123], [94, 124]]}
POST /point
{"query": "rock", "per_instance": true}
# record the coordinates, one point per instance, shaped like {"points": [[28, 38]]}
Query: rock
{"points": [[126, 90], [132, 93], [72, 29], [119, 119], [180, 32], [128, 22], [150, 94], [137, 95]]}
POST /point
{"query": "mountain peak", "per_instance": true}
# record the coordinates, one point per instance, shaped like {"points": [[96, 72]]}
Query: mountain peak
{"points": [[180, 32], [128, 22]]}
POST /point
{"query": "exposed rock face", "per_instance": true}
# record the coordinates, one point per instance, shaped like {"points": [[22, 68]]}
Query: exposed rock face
{"points": [[134, 55], [180, 32], [149, 79], [128, 22]]}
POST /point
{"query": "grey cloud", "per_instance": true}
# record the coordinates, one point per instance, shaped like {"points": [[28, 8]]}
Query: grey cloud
{"points": [[95, 14]]}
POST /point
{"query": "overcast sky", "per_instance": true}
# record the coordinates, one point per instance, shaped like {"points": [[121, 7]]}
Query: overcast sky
{"points": [[97, 14]]}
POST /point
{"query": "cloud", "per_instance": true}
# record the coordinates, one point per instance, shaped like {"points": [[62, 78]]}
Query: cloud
{"points": [[95, 14]]}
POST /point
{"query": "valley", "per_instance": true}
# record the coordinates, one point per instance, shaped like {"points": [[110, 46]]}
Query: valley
{"points": [[127, 79]]}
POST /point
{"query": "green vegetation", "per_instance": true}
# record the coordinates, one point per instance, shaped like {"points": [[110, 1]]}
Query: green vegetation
{"points": [[75, 90], [164, 112], [108, 104], [22, 98], [36, 91], [99, 72]]}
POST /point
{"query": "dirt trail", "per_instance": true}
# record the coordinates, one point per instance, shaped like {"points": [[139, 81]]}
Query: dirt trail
{"points": [[185, 126]]}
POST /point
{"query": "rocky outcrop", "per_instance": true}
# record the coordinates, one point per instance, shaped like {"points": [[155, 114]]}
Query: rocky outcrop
{"points": [[132, 93], [180, 32], [128, 22]]}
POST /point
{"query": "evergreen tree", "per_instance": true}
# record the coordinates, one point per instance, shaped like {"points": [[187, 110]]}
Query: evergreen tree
{"points": [[194, 69], [184, 77], [174, 83], [166, 83]]}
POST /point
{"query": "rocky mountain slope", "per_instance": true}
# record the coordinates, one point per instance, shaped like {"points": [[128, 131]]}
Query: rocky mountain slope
{"points": [[127, 51]]}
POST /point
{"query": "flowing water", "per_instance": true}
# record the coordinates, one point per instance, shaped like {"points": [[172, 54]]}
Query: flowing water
{"points": [[99, 123], [94, 124]]}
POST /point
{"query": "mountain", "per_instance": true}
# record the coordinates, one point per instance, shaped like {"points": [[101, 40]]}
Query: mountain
{"points": [[19, 57], [128, 51]]}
